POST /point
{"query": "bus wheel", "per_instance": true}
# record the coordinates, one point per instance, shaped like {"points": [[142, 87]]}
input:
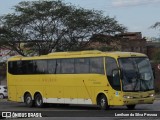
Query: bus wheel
{"points": [[1, 96], [38, 100], [131, 107], [28, 100], [103, 102]]}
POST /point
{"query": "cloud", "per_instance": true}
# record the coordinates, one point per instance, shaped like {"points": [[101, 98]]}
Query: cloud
{"points": [[124, 3]]}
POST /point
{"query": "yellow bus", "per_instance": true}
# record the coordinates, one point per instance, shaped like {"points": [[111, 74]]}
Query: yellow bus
{"points": [[85, 77]]}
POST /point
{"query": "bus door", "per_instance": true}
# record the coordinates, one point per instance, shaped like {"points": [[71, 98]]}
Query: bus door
{"points": [[113, 77]]}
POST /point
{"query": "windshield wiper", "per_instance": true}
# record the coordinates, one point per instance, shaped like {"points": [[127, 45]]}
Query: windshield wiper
{"points": [[137, 80]]}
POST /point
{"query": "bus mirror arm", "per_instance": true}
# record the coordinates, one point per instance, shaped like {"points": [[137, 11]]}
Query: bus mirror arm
{"points": [[121, 73]]}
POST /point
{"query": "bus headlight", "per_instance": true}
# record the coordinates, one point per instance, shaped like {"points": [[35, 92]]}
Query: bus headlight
{"points": [[151, 95], [127, 97]]}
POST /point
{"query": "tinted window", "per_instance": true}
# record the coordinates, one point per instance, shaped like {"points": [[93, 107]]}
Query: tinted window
{"points": [[12, 67], [67, 66], [28, 67], [19, 67], [111, 65], [96, 65], [52, 66], [40, 66], [58, 66], [82, 65]]}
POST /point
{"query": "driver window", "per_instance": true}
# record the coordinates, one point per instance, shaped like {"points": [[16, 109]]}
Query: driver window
{"points": [[112, 74]]}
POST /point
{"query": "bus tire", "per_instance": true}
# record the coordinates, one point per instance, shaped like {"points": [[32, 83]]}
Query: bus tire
{"points": [[131, 107], [103, 102], [38, 101], [28, 100]]}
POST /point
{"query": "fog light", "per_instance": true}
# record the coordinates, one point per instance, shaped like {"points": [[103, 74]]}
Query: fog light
{"points": [[151, 95], [127, 97]]}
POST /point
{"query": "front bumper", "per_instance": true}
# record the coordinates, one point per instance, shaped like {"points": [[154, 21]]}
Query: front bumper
{"points": [[148, 100]]}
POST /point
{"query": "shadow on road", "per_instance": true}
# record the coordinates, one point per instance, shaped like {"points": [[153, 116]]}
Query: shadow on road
{"points": [[65, 107], [75, 107]]}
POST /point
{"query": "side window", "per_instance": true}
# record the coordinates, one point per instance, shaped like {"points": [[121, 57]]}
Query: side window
{"points": [[82, 65], [28, 67], [113, 79], [67, 66], [16, 67], [96, 65], [58, 67], [24, 67], [40, 66], [19, 67], [12, 67], [51, 66]]}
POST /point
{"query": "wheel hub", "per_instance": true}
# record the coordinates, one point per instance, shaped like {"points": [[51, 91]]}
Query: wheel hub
{"points": [[39, 101], [103, 102], [28, 100]]}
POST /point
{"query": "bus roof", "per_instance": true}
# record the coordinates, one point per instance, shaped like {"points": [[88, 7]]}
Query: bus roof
{"points": [[90, 53]]}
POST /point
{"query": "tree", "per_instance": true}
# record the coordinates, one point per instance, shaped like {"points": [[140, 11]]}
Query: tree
{"points": [[156, 25], [46, 26], [2, 71], [157, 54]]}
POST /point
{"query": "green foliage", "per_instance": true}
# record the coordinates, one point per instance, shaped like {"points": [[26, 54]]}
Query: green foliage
{"points": [[47, 26]]}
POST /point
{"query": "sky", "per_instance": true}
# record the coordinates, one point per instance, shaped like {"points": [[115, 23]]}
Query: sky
{"points": [[136, 15]]}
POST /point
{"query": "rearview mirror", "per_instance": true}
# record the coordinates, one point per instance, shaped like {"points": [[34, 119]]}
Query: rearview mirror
{"points": [[116, 72]]}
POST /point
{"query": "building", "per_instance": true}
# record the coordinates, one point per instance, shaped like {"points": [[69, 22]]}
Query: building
{"points": [[132, 42], [128, 42], [152, 48], [103, 41]]}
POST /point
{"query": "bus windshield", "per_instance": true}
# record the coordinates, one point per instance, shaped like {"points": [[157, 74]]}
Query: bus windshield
{"points": [[137, 74]]}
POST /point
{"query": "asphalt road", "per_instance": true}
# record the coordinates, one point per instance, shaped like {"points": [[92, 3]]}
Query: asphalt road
{"points": [[85, 112]]}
